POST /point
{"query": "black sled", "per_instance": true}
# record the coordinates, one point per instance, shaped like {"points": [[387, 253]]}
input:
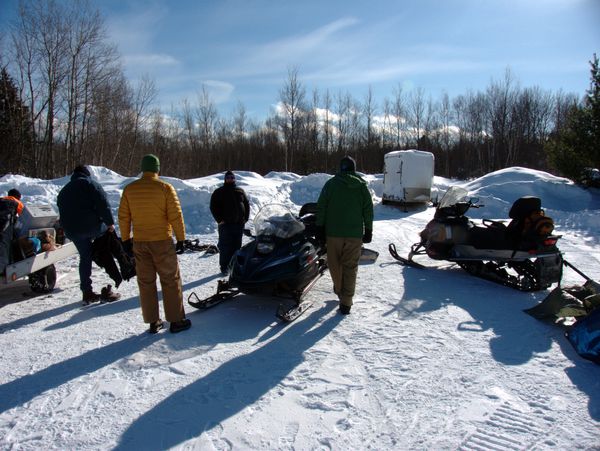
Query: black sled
{"points": [[283, 260], [521, 255]]}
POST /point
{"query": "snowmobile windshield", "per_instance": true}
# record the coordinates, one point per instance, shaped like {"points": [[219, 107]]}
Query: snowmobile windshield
{"points": [[453, 196], [277, 220]]}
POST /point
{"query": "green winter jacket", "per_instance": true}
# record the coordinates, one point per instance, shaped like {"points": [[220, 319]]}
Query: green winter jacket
{"points": [[345, 206]]}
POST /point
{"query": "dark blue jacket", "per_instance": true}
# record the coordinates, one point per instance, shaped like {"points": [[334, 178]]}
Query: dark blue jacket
{"points": [[230, 205], [83, 208]]}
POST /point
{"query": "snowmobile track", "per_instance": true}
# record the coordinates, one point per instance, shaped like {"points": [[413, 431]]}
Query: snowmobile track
{"points": [[508, 428]]}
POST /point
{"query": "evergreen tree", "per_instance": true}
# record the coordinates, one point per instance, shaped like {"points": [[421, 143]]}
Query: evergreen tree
{"points": [[577, 145], [16, 131]]}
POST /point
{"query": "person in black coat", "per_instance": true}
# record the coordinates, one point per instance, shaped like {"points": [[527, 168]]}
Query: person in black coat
{"points": [[231, 210], [85, 214]]}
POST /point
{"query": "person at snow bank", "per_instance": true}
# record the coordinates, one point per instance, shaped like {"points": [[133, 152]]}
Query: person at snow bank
{"points": [[345, 221], [151, 207], [231, 210]]}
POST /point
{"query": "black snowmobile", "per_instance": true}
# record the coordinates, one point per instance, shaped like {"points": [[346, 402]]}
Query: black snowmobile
{"points": [[521, 254], [283, 259]]}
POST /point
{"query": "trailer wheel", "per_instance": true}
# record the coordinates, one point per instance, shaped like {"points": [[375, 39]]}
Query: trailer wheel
{"points": [[43, 280]]}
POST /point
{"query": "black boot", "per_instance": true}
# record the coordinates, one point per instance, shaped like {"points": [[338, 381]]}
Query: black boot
{"points": [[179, 326], [90, 296], [345, 309], [156, 326]]}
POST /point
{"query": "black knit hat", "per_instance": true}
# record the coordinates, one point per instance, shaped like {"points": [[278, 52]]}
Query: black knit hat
{"points": [[347, 164], [14, 192], [229, 174], [82, 170]]}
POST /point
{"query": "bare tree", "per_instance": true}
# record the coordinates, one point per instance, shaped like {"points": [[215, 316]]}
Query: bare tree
{"points": [[292, 98], [446, 117], [416, 107], [327, 137], [207, 117], [369, 111], [343, 110], [399, 113], [500, 101]]}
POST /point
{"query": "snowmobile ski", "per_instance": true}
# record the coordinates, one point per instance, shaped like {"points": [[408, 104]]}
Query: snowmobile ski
{"points": [[290, 314], [224, 292], [404, 261]]}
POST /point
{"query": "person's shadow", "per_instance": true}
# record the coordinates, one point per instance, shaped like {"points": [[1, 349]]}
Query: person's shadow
{"points": [[26, 388], [227, 390]]}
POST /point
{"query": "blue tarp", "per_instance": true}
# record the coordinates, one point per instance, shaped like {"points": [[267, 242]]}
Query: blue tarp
{"points": [[585, 336]]}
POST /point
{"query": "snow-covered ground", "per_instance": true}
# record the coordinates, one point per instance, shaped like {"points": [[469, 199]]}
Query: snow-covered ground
{"points": [[428, 359]]}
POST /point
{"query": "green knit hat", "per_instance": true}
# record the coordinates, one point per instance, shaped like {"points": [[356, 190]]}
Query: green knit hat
{"points": [[150, 163]]}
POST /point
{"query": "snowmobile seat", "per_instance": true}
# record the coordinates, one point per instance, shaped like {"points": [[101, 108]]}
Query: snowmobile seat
{"points": [[494, 237], [308, 208]]}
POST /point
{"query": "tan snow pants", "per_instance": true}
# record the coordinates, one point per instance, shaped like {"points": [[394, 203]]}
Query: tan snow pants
{"points": [[343, 255], [158, 257]]}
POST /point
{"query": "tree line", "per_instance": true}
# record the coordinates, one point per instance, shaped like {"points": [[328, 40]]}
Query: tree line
{"points": [[64, 100]]}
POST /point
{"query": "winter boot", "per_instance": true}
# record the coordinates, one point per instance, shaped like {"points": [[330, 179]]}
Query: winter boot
{"points": [[89, 296], [345, 309], [108, 295], [179, 326], [156, 326]]}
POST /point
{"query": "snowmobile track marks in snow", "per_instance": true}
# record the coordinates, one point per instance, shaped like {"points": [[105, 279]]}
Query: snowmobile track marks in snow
{"points": [[508, 428]]}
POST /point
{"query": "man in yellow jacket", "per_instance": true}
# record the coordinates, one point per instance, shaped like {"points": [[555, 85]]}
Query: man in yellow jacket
{"points": [[151, 206]]}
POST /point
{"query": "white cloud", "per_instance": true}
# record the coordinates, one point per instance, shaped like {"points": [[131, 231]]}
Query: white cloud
{"points": [[152, 60], [219, 91]]}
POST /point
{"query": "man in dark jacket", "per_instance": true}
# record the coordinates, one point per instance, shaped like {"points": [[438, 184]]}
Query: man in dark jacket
{"points": [[230, 208], [85, 215], [345, 218]]}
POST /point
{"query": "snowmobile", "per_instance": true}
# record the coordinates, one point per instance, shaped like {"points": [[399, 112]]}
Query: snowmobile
{"points": [[522, 254], [283, 259]]}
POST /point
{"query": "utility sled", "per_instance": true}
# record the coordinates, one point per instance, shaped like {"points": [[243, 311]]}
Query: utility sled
{"points": [[522, 254], [31, 247], [283, 259]]}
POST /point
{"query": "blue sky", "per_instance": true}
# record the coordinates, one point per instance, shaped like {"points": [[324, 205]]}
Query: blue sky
{"points": [[242, 50]]}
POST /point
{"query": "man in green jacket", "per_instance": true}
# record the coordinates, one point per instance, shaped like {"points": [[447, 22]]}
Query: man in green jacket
{"points": [[345, 219]]}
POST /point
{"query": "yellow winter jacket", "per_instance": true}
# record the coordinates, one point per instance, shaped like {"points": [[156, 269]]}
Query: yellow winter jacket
{"points": [[151, 205]]}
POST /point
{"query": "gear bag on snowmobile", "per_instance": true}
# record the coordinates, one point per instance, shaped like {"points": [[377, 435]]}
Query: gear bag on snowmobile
{"points": [[528, 222]]}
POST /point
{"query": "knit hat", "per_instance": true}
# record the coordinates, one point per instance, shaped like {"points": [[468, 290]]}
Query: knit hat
{"points": [[82, 170], [150, 163], [347, 164], [229, 174], [14, 192]]}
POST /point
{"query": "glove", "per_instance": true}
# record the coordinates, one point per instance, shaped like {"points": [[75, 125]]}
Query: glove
{"points": [[128, 246], [179, 247], [368, 236], [320, 234]]}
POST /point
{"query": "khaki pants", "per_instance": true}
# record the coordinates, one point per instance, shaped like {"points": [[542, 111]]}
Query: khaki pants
{"points": [[343, 255], [152, 257]]}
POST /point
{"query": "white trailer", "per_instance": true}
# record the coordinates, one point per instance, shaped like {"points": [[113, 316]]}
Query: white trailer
{"points": [[407, 177]]}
